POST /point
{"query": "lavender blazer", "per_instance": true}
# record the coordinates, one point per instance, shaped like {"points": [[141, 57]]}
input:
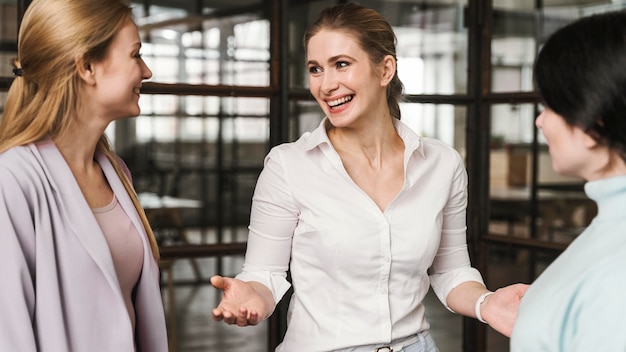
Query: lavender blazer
{"points": [[58, 287]]}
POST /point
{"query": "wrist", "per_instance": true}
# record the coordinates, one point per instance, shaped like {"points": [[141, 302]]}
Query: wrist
{"points": [[479, 302]]}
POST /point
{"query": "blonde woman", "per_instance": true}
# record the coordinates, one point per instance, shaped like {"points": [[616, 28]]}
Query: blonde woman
{"points": [[77, 256]]}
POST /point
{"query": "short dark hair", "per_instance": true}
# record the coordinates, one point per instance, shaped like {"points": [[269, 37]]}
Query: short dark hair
{"points": [[580, 73]]}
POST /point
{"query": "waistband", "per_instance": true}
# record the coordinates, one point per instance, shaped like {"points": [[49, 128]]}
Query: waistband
{"points": [[394, 346], [399, 344]]}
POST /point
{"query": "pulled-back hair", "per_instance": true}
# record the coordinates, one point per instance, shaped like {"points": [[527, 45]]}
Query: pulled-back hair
{"points": [[373, 34], [52, 35], [44, 100], [580, 74]]}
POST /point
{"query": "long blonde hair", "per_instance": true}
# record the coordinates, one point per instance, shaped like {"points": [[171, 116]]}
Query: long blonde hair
{"points": [[43, 101]]}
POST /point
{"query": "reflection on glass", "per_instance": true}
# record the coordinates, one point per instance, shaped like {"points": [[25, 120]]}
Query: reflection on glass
{"points": [[183, 47], [519, 29], [435, 121], [512, 123], [169, 118]]}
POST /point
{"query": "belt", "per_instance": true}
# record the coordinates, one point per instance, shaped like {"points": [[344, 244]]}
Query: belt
{"points": [[402, 344]]}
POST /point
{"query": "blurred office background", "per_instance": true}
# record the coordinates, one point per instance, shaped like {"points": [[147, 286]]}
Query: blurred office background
{"points": [[230, 82]]}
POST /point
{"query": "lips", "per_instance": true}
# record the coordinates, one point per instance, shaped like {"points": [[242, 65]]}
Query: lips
{"points": [[336, 103]]}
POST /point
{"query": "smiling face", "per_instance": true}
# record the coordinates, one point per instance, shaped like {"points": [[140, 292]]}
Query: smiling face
{"points": [[347, 86], [119, 76]]}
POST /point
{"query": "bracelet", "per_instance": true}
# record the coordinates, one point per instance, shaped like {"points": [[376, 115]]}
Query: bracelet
{"points": [[480, 300]]}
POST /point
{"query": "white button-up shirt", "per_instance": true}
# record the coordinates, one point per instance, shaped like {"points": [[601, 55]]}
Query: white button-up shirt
{"points": [[359, 274]]}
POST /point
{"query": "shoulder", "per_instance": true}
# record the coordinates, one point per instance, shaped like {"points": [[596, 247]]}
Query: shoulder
{"points": [[438, 147], [297, 149], [15, 154], [19, 172], [17, 161], [610, 270]]}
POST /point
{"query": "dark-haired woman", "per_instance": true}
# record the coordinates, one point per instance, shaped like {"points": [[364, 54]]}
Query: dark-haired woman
{"points": [[577, 303]]}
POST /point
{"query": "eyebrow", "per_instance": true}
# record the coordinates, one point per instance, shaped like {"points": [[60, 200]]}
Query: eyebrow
{"points": [[332, 59]]}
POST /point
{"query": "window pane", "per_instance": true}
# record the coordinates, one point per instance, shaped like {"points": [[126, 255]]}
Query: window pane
{"points": [[192, 118], [519, 29], [8, 37], [186, 45]]}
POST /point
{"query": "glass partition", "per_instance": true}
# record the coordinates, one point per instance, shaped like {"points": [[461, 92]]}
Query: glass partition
{"points": [[225, 44], [8, 38]]}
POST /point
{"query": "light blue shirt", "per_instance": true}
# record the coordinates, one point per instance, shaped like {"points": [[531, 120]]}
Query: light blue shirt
{"points": [[579, 302], [359, 274]]}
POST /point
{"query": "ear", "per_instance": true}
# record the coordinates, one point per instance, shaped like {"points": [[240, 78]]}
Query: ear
{"points": [[85, 70], [388, 70], [587, 140]]}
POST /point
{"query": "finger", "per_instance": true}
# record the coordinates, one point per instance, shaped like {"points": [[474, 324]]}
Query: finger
{"points": [[253, 319], [242, 317], [217, 314]]}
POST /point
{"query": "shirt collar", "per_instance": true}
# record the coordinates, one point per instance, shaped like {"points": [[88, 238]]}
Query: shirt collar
{"points": [[412, 142]]}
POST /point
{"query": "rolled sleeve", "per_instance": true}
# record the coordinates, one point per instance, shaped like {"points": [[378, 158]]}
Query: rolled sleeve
{"points": [[273, 219], [451, 266]]}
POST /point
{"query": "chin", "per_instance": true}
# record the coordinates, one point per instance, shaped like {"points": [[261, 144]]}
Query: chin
{"points": [[134, 112]]}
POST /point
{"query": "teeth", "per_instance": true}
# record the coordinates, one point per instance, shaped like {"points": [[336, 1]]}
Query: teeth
{"points": [[339, 101]]}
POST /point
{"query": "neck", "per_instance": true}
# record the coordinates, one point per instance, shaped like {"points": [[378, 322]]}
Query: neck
{"points": [[374, 143], [78, 151], [609, 165]]}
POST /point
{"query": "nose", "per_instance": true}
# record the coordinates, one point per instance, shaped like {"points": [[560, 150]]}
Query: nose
{"points": [[147, 73], [539, 119], [329, 82]]}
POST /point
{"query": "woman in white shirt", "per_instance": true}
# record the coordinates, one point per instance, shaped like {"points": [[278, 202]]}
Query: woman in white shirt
{"points": [[364, 213]]}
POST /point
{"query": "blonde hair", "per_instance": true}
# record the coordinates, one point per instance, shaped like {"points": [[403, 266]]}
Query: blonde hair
{"points": [[44, 100]]}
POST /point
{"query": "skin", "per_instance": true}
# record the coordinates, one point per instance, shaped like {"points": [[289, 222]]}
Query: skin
{"points": [[574, 152], [363, 134], [351, 90], [109, 90]]}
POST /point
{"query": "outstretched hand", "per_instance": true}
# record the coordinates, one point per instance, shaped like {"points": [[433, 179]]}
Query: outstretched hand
{"points": [[500, 309], [243, 303]]}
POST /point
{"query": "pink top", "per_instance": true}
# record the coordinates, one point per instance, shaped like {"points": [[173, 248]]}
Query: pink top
{"points": [[126, 249]]}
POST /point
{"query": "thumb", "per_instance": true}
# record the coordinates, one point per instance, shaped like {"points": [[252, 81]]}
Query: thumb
{"points": [[219, 282]]}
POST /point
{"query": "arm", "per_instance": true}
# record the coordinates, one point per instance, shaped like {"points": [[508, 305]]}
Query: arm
{"points": [[17, 265], [456, 283], [252, 295], [499, 310]]}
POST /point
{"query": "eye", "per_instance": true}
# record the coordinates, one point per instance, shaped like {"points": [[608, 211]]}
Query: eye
{"points": [[314, 69], [137, 56], [342, 64]]}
